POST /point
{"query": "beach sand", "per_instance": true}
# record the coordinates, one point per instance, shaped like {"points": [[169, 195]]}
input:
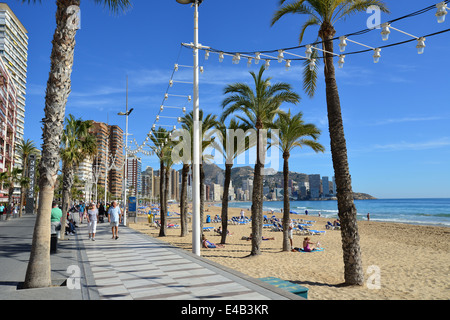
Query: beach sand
{"points": [[413, 261]]}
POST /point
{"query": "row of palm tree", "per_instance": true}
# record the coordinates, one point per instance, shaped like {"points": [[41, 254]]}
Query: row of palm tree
{"points": [[259, 109]]}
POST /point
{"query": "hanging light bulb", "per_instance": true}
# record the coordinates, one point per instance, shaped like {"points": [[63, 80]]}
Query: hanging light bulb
{"points": [[385, 31], [201, 69], [176, 67], [341, 61], [312, 64], [171, 83], [157, 118], [153, 127], [420, 45], [441, 11], [267, 65], [343, 43], [184, 109], [179, 119], [189, 98], [236, 58], [249, 62], [206, 54], [288, 64], [257, 57], [166, 96], [161, 108], [376, 55], [308, 51], [221, 57], [174, 127], [280, 56]]}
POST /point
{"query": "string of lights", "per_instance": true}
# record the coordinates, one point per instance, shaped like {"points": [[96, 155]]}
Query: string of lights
{"points": [[268, 55]]}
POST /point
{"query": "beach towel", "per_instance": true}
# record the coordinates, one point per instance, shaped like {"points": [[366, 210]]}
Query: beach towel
{"points": [[315, 250]]}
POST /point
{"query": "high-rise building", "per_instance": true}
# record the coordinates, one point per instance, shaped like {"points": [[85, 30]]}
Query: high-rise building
{"points": [[148, 186], [325, 186], [314, 185], [109, 156], [14, 51], [134, 170], [8, 111]]}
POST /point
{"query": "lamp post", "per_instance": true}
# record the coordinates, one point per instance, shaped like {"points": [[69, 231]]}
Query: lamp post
{"points": [[126, 114], [196, 232]]}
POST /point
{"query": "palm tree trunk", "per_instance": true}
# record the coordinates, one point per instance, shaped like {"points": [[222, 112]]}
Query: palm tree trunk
{"points": [[162, 199], [353, 273], [224, 216], [58, 89], [67, 187], [257, 200], [183, 200], [286, 206]]}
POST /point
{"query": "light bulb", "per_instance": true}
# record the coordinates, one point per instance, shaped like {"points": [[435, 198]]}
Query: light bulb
{"points": [[308, 52], [420, 45], [201, 69], [343, 43], [166, 96], [184, 109], [236, 58], [206, 55], [249, 62], [385, 31], [257, 57], [176, 67], [288, 64], [376, 55], [153, 126], [179, 119], [267, 64], [174, 127], [221, 57], [341, 61], [280, 56], [189, 98], [171, 83], [157, 118], [312, 64], [441, 12]]}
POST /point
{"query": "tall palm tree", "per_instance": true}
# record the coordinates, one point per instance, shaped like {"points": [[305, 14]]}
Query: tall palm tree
{"points": [[159, 138], [58, 89], [77, 145], [325, 14], [259, 108], [229, 146], [25, 149], [292, 133], [207, 123]]}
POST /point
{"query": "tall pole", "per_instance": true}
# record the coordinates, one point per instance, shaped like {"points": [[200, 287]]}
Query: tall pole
{"points": [[106, 159], [196, 232], [126, 163]]}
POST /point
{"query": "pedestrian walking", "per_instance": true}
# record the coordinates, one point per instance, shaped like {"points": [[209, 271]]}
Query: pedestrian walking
{"points": [[114, 218], [92, 219], [81, 211]]}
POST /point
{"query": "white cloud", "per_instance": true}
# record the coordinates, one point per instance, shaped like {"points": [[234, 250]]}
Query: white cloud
{"points": [[414, 146]]}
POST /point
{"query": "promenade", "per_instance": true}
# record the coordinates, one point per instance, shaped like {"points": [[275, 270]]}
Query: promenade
{"points": [[133, 267]]}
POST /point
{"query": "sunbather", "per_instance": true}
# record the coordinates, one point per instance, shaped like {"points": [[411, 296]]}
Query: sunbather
{"points": [[307, 243], [207, 244]]}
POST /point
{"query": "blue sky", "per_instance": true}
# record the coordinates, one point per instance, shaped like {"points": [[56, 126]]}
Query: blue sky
{"points": [[396, 112]]}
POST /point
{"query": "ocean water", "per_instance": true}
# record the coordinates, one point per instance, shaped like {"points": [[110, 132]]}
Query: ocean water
{"points": [[413, 211]]}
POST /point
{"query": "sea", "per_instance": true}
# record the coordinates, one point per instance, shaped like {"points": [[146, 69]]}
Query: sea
{"points": [[434, 212]]}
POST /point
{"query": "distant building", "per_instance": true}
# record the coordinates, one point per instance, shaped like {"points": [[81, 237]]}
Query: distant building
{"points": [[325, 187], [314, 185], [134, 180]]}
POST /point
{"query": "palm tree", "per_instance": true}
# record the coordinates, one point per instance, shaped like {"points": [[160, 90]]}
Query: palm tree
{"points": [[25, 149], [292, 133], [325, 14], [78, 144], [207, 123], [259, 108], [230, 148], [160, 139], [38, 273]]}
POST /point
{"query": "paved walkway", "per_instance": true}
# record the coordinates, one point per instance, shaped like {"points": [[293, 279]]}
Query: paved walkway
{"points": [[133, 267]]}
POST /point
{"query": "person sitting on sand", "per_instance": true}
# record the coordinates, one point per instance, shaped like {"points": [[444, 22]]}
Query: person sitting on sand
{"points": [[306, 243], [207, 244]]}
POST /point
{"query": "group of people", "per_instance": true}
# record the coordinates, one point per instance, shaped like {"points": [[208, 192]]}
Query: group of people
{"points": [[93, 213], [7, 209]]}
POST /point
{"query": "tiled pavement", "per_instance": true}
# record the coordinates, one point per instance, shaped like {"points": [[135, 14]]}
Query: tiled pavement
{"points": [[139, 267]]}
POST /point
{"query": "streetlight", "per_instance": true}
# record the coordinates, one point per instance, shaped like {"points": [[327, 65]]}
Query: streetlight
{"points": [[196, 232], [127, 113]]}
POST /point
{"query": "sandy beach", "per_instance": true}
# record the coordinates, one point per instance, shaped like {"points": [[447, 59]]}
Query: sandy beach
{"points": [[413, 261]]}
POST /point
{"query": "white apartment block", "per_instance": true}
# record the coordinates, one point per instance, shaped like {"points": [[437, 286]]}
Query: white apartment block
{"points": [[14, 51]]}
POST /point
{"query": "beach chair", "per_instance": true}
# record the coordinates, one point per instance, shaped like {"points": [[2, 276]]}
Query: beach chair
{"points": [[329, 225], [317, 232]]}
